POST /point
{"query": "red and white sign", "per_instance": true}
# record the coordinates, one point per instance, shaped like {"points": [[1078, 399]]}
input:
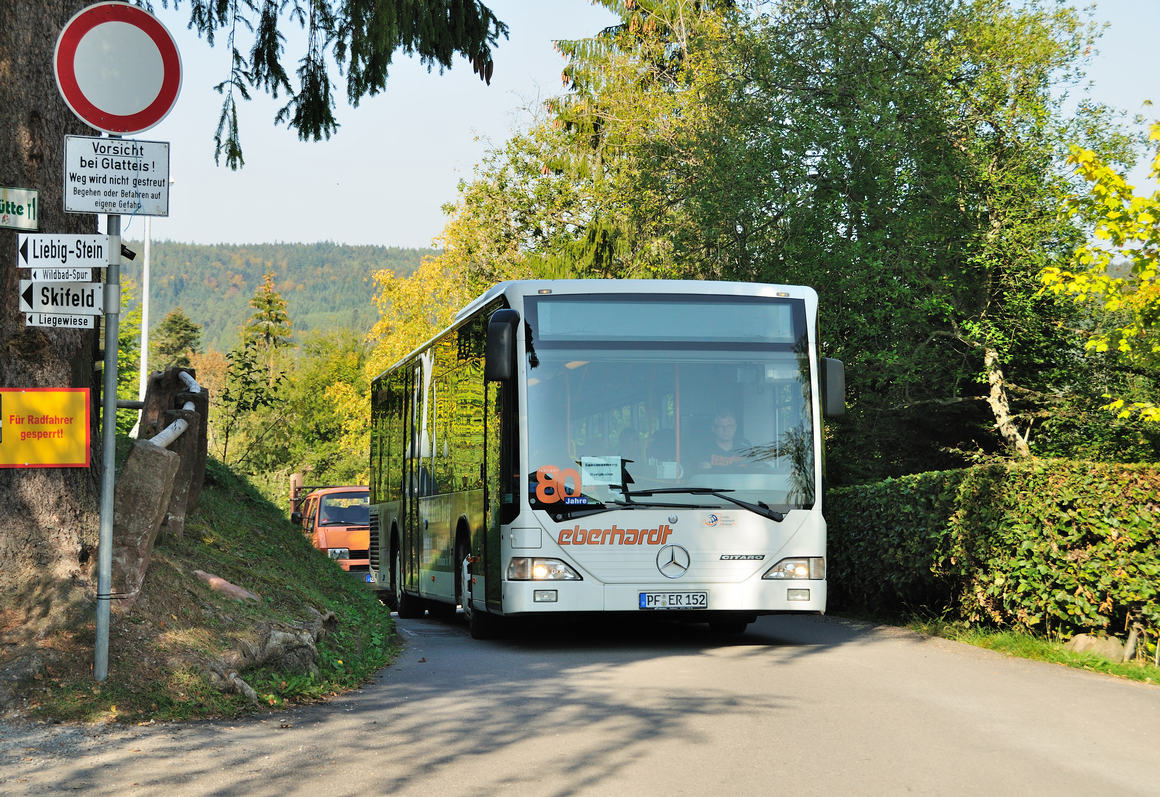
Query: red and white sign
{"points": [[117, 68]]}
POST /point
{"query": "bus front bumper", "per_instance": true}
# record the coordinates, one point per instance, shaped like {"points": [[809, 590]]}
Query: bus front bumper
{"points": [[765, 596]]}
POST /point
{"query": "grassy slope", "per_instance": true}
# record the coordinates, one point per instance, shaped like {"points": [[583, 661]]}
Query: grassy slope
{"points": [[158, 650]]}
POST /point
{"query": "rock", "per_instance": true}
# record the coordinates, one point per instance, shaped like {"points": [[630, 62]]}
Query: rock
{"points": [[219, 584], [1105, 647]]}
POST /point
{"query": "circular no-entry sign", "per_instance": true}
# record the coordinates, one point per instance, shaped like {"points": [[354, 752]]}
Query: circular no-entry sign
{"points": [[117, 68]]}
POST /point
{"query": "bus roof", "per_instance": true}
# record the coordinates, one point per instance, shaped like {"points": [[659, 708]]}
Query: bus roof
{"points": [[514, 288], [519, 288]]}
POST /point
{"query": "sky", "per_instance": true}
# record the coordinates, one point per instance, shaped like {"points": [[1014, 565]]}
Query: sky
{"points": [[398, 158], [394, 162]]}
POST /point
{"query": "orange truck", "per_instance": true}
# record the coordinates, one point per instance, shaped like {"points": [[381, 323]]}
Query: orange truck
{"points": [[337, 521]]}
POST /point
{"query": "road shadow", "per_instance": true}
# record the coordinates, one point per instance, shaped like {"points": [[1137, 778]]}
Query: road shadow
{"points": [[580, 700]]}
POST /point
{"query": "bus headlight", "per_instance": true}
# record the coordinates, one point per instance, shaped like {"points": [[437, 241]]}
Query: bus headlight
{"points": [[812, 567], [526, 568], [338, 553]]}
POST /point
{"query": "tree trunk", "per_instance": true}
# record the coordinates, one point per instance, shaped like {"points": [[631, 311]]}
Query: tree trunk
{"points": [[48, 516], [1001, 407]]}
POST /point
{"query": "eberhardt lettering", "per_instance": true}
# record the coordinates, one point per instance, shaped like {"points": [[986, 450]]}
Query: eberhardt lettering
{"points": [[614, 536]]}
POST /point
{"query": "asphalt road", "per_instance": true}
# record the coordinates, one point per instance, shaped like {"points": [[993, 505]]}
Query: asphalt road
{"points": [[795, 706]]}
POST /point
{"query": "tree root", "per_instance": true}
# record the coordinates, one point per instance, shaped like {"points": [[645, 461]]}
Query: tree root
{"points": [[293, 649]]}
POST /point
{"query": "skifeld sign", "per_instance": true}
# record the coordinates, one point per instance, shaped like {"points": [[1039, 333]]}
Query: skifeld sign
{"points": [[78, 298], [59, 295]]}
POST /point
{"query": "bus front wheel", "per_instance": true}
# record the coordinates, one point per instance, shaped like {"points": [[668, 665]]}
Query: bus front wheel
{"points": [[484, 625], [463, 577]]}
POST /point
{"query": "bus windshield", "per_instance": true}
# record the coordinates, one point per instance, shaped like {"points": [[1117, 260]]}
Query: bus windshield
{"points": [[668, 394]]}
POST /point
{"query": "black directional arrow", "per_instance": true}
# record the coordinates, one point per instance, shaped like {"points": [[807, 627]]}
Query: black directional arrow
{"points": [[24, 250], [27, 297]]}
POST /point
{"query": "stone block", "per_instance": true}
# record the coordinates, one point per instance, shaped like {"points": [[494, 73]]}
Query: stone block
{"points": [[1104, 646], [143, 492], [189, 471]]}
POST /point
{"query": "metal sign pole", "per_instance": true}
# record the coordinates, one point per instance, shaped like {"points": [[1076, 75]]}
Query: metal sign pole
{"points": [[109, 447], [97, 65]]}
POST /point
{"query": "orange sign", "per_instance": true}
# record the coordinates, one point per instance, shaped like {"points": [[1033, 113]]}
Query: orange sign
{"points": [[554, 484], [44, 427]]}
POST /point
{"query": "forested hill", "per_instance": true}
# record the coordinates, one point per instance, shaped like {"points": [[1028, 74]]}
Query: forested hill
{"points": [[325, 285]]}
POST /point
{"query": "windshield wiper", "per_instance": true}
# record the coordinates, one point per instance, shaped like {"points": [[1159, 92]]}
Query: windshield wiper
{"points": [[760, 508], [630, 502], [580, 510]]}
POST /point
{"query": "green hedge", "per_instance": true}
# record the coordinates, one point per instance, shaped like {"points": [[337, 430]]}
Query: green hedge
{"points": [[1047, 546]]}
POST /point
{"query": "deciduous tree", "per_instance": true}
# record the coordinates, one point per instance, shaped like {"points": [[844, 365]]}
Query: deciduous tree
{"points": [[250, 387], [904, 157], [1116, 273]]}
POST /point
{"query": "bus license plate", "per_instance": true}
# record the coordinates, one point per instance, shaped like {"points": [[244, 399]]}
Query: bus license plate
{"points": [[674, 600]]}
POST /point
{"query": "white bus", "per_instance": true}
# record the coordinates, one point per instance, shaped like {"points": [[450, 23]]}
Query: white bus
{"points": [[596, 446]]}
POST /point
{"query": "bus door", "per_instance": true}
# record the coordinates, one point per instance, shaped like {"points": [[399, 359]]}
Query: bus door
{"points": [[412, 531], [422, 474]]}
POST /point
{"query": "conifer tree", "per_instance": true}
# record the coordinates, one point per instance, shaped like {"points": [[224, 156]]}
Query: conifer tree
{"points": [[269, 327], [362, 36], [175, 339]]}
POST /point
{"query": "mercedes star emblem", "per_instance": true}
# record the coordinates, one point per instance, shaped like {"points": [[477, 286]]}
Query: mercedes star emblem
{"points": [[673, 561]]}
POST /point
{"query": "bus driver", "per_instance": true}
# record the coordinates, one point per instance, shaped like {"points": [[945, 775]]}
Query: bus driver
{"points": [[726, 449]]}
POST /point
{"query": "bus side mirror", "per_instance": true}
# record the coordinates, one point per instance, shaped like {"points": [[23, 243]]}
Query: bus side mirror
{"points": [[833, 388], [499, 364], [296, 518]]}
